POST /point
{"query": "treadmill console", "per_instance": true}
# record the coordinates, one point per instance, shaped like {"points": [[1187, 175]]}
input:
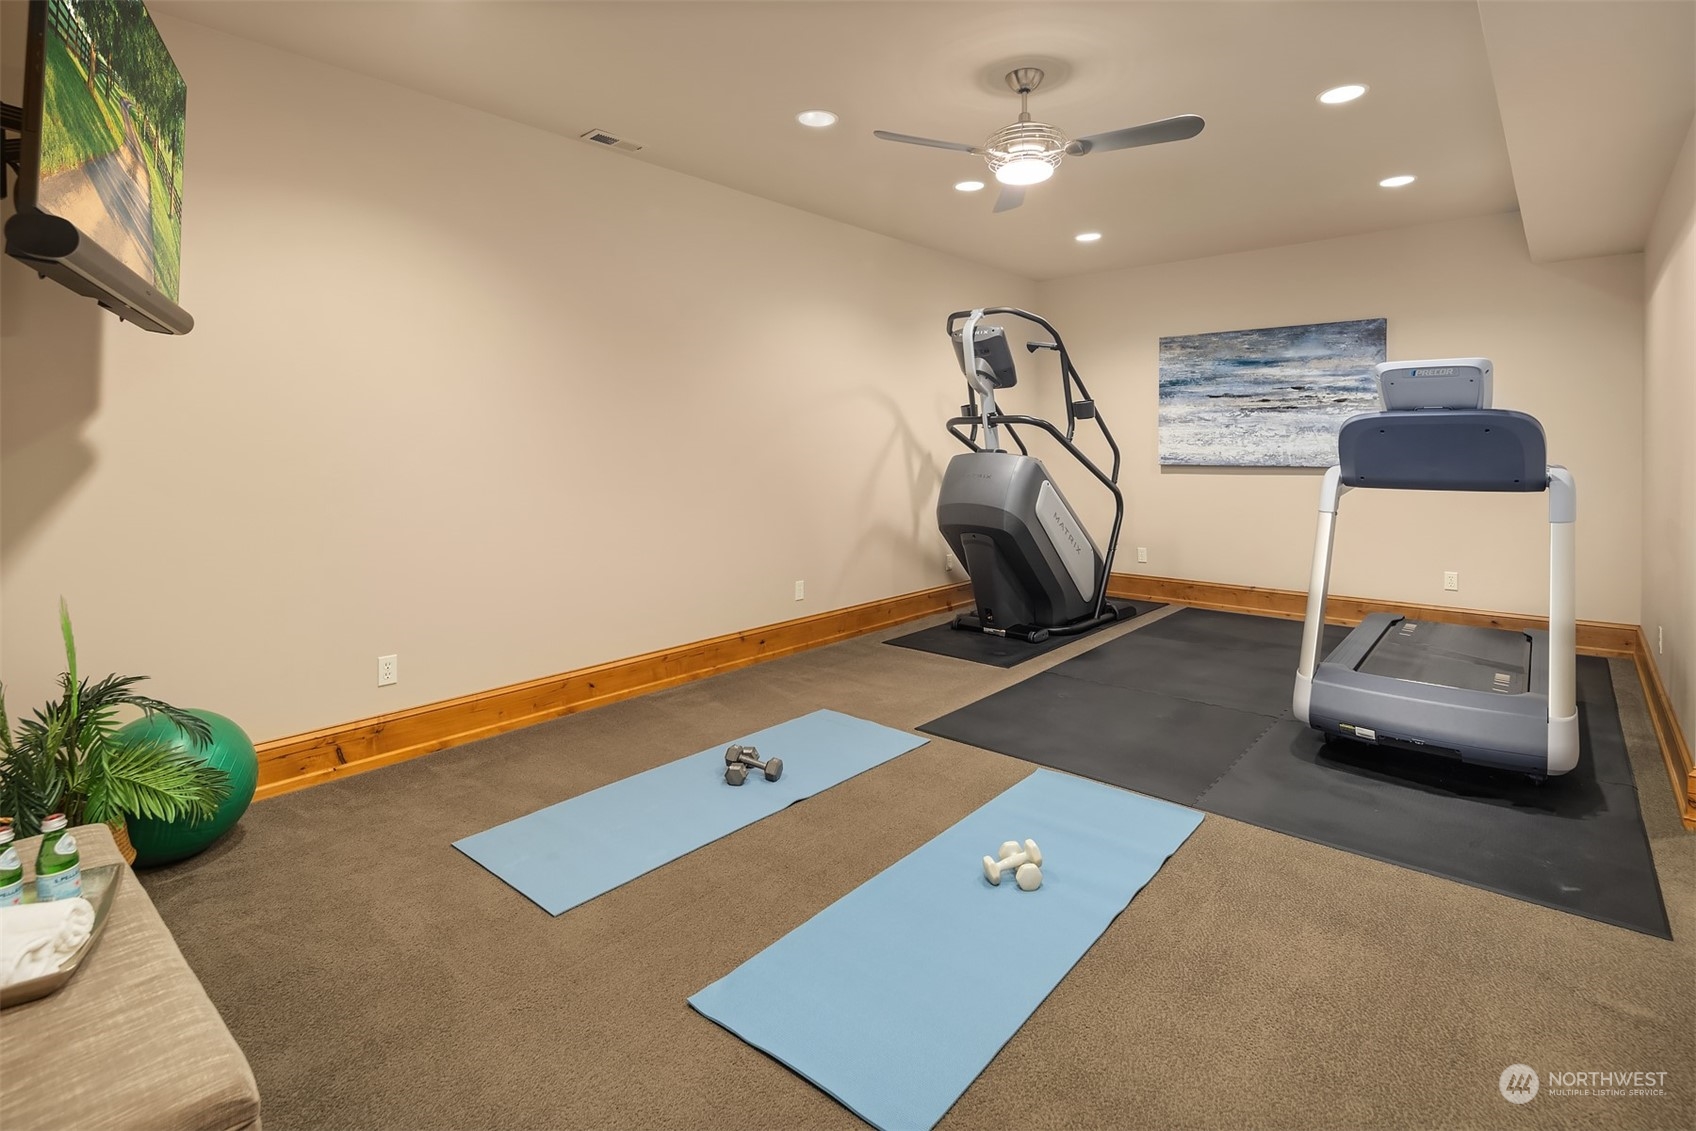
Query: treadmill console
{"points": [[1445, 383]]}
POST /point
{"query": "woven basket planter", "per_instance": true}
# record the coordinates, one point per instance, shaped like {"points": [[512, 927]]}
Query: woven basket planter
{"points": [[121, 834]]}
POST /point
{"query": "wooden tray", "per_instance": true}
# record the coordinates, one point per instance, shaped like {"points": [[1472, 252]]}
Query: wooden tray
{"points": [[99, 884]]}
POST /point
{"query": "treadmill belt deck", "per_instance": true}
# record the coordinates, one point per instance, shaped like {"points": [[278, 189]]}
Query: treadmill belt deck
{"points": [[1454, 655]]}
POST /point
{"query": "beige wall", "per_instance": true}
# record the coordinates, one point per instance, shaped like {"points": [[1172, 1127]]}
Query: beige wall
{"points": [[463, 391], [1669, 438], [1567, 341], [520, 406]]}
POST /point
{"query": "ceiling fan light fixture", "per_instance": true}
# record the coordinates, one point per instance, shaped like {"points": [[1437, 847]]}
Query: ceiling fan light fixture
{"points": [[1025, 171], [1025, 153]]}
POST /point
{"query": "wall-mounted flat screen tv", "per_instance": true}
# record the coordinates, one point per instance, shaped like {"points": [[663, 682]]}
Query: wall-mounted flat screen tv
{"points": [[100, 185]]}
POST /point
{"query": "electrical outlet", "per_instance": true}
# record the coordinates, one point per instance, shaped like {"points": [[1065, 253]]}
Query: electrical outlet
{"points": [[388, 670], [1142, 554], [949, 565], [1451, 580], [800, 590], [1660, 640]]}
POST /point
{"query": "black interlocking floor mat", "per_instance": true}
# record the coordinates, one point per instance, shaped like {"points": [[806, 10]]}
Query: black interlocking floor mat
{"points": [[1155, 744], [998, 651], [1195, 708], [1226, 659]]}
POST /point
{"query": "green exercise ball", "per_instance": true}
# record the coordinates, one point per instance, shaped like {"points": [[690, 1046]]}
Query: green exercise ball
{"points": [[160, 842]]}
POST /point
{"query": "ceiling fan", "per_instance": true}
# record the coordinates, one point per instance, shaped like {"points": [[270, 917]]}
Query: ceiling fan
{"points": [[1027, 153]]}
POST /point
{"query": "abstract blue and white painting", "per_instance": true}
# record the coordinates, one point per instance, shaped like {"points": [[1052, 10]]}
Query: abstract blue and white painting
{"points": [[1266, 398]]}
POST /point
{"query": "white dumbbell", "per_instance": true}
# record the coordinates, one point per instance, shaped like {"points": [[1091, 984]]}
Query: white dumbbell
{"points": [[1027, 876], [1014, 862]]}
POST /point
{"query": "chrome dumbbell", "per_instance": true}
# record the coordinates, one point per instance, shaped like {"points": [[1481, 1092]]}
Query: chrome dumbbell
{"points": [[738, 760], [1024, 861]]}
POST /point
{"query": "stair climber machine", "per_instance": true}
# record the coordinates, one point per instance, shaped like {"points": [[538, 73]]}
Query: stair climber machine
{"points": [[1034, 569], [1488, 696]]}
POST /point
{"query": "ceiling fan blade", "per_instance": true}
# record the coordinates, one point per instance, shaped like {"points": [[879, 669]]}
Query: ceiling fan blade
{"points": [[1181, 128], [930, 141], [1011, 197]]}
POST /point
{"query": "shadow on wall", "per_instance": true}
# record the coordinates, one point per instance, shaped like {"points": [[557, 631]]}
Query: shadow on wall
{"points": [[49, 389], [922, 475]]}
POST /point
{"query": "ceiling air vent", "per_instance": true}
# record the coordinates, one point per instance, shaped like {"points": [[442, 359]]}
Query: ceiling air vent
{"points": [[601, 137]]}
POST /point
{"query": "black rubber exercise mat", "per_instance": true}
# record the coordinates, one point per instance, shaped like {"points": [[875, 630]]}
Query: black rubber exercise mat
{"points": [[1195, 708], [1227, 659], [998, 651], [1575, 842], [1155, 744]]}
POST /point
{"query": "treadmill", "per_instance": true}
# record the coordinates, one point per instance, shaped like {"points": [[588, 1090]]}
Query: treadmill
{"points": [[1486, 696]]}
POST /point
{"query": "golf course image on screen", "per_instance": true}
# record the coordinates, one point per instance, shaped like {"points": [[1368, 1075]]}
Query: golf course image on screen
{"points": [[111, 158]]}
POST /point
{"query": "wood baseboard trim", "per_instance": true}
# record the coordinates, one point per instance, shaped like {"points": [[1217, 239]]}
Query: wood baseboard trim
{"points": [[1674, 746], [1595, 638], [302, 760]]}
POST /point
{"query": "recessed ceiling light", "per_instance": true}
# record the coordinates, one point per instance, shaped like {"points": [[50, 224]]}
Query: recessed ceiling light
{"points": [[1396, 182], [818, 119], [969, 186], [1337, 95], [1087, 237]]}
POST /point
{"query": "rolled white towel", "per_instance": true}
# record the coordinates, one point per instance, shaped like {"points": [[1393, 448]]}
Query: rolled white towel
{"points": [[36, 937]]}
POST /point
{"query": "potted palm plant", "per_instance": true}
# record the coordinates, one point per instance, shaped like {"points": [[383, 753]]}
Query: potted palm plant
{"points": [[69, 758]]}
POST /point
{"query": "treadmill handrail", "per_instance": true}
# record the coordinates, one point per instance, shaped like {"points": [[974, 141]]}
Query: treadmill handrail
{"points": [[1563, 608], [1563, 615]]}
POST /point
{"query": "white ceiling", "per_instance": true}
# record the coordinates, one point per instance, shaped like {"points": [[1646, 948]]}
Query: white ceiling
{"points": [[711, 89], [1596, 99]]}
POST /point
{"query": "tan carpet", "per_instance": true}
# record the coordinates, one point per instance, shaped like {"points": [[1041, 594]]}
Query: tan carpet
{"points": [[378, 979]]}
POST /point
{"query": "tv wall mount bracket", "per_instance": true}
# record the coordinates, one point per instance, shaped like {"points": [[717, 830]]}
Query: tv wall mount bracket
{"points": [[12, 122]]}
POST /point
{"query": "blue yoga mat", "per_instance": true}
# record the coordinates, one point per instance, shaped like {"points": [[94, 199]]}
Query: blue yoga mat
{"points": [[633, 826], [896, 996]]}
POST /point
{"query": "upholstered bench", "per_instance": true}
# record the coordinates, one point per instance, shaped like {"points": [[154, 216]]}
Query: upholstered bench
{"points": [[132, 1041]]}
